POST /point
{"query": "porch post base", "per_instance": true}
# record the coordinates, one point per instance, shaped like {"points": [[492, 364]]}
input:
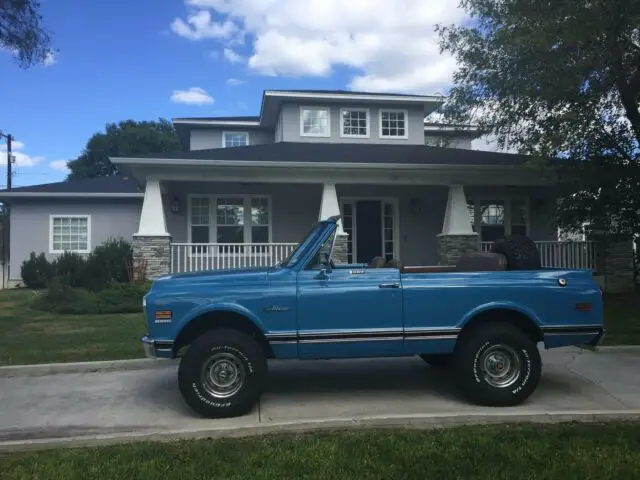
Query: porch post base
{"points": [[156, 251], [451, 247], [340, 254]]}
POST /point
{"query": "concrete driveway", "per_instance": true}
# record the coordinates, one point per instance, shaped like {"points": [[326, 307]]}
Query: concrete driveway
{"points": [[145, 403]]}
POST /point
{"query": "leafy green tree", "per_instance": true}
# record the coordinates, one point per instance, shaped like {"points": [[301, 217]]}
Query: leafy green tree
{"points": [[125, 138], [558, 80], [22, 31]]}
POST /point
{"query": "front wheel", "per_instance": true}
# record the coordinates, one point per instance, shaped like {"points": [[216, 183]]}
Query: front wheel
{"points": [[497, 365], [222, 374]]}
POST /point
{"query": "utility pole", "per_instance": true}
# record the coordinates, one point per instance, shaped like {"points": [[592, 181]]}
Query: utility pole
{"points": [[9, 161]]}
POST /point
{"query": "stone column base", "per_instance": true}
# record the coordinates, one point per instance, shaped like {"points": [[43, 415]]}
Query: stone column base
{"points": [[340, 254], [451, 247], [156, 251]]}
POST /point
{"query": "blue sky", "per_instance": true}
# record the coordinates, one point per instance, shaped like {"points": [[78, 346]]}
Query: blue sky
{"points": [[123, 59]]}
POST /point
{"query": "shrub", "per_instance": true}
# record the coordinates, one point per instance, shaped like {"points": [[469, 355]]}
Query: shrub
{"points": [[36, 271], [60, 297], [70, 267], [107, 264]]}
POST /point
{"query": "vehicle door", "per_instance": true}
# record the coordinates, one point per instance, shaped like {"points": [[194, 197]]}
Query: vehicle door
{"points": [[346, 311]]}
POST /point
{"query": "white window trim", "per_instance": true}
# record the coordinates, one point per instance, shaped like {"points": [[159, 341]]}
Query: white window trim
{"points": [[323, 135], [224, 139], [477, 201], [406, 123], [213, 217], [60, 215], [354, 109]]}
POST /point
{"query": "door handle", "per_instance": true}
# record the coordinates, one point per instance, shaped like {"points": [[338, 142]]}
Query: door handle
{"points": [[389, 285]]}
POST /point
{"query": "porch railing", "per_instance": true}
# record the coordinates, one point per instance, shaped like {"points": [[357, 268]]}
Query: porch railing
{"points": [[191, 257], [570, 254]]}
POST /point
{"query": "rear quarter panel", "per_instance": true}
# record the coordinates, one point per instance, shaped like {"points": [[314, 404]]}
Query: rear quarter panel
{"points": [[441, 304]]}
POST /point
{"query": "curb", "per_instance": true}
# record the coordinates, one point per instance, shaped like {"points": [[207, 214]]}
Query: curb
{"points": [[424, 421], [38, 370]]}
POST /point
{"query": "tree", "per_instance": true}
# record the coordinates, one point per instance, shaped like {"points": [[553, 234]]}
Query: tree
{"points": [[125, 138], [22, 33], [560, 81]]}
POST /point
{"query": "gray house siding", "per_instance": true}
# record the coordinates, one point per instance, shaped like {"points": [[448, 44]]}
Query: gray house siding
{"points": [[291, 124], [202, 139], [30, 226]]}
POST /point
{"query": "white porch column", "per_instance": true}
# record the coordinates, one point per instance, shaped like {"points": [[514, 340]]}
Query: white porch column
{"points": [[152, 242], [152, 221], [457, 235], [329, 207]]}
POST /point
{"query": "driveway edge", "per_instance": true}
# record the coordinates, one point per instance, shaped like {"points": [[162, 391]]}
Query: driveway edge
{"points": [[38, 370], [423, 421]]}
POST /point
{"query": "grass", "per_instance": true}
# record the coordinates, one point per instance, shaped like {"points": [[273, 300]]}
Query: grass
{"points": [[566, 451], [622, 319], [31, 336]]}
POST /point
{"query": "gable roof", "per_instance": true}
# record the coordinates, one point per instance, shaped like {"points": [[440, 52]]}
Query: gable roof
{"points": [[105, 187], [345, 153]]}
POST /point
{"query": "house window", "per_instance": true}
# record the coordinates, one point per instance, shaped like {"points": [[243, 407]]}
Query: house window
{"points": [[70, 233], [493, 219], [235, 139], [393, 124], [237, 219], [314, 122], [355, 123]]}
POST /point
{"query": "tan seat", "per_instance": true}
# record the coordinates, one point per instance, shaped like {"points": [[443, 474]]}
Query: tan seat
{"points": [[481, 262]]}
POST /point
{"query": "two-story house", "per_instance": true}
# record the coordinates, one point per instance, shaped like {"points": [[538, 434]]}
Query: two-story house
{"points": [[243, 190]]}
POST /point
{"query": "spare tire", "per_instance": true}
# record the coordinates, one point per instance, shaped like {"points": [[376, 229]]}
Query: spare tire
{"points": [[521, 252]]}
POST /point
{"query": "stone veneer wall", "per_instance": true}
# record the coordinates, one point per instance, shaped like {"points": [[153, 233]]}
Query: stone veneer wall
{"points": [[157, 253], [615, 262], [341, 249], [451, 247]]}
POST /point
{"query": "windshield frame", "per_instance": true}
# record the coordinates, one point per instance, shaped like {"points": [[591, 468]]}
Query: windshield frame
{"points": [[315, 234]]}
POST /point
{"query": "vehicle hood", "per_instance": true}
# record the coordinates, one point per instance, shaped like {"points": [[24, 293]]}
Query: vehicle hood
{"points": [[227, 277]]}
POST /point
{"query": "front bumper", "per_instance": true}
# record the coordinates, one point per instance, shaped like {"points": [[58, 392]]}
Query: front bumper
{"points": [[157, 348]]}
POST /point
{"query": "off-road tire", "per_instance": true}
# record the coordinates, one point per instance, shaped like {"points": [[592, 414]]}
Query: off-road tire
{"points": [[246, 351], [521, 252], [439, 361], [470, 368]]}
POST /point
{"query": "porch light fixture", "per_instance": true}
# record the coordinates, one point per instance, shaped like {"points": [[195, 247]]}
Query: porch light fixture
{"points": [[175, 205]]}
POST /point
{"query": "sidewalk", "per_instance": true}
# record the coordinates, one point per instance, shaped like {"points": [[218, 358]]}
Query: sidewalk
{"points": [[145, 403]]}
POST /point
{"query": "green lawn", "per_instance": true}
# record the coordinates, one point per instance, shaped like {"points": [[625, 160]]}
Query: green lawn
{"points": [[31, 336], [566, 451]]}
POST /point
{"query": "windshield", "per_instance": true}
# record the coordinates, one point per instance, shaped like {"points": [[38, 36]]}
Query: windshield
{"points": [[309, 239]]}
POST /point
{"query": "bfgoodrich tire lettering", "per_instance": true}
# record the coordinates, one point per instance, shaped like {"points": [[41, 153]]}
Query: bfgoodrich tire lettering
{"points": [[222, 374], [486, 359]]}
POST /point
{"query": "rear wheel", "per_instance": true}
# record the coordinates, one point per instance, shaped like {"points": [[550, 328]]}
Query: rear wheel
{"points": [[222, 374], [497, 365]]}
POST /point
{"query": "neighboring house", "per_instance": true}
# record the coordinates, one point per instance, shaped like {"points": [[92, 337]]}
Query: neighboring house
{"points": [[244, 190]]}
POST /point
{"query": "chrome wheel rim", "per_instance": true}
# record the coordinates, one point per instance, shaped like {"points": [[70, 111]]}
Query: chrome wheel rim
{"points": [[223, 375], [500, 366]]}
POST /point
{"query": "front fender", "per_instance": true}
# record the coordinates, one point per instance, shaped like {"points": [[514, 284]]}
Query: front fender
{"points": [[500, 305], [218, 307]]}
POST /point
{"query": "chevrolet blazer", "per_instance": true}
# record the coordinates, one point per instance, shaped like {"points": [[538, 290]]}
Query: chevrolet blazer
{"points": [[481, 319]]}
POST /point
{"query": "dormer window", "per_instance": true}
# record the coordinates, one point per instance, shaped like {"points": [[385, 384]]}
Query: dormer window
{"points": [[393, 124], [235, 139], [314, 122], [355, 122]]}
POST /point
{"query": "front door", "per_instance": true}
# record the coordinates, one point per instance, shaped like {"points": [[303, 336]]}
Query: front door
{"points": [[372, 225]]}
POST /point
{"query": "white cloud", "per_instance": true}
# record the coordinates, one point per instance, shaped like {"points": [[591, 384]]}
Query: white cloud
{"points": [[232, 56], [234, 82], [22, 159], [201, 25], [50, 59], [390, 48], [192, 96], [59, 165]]}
